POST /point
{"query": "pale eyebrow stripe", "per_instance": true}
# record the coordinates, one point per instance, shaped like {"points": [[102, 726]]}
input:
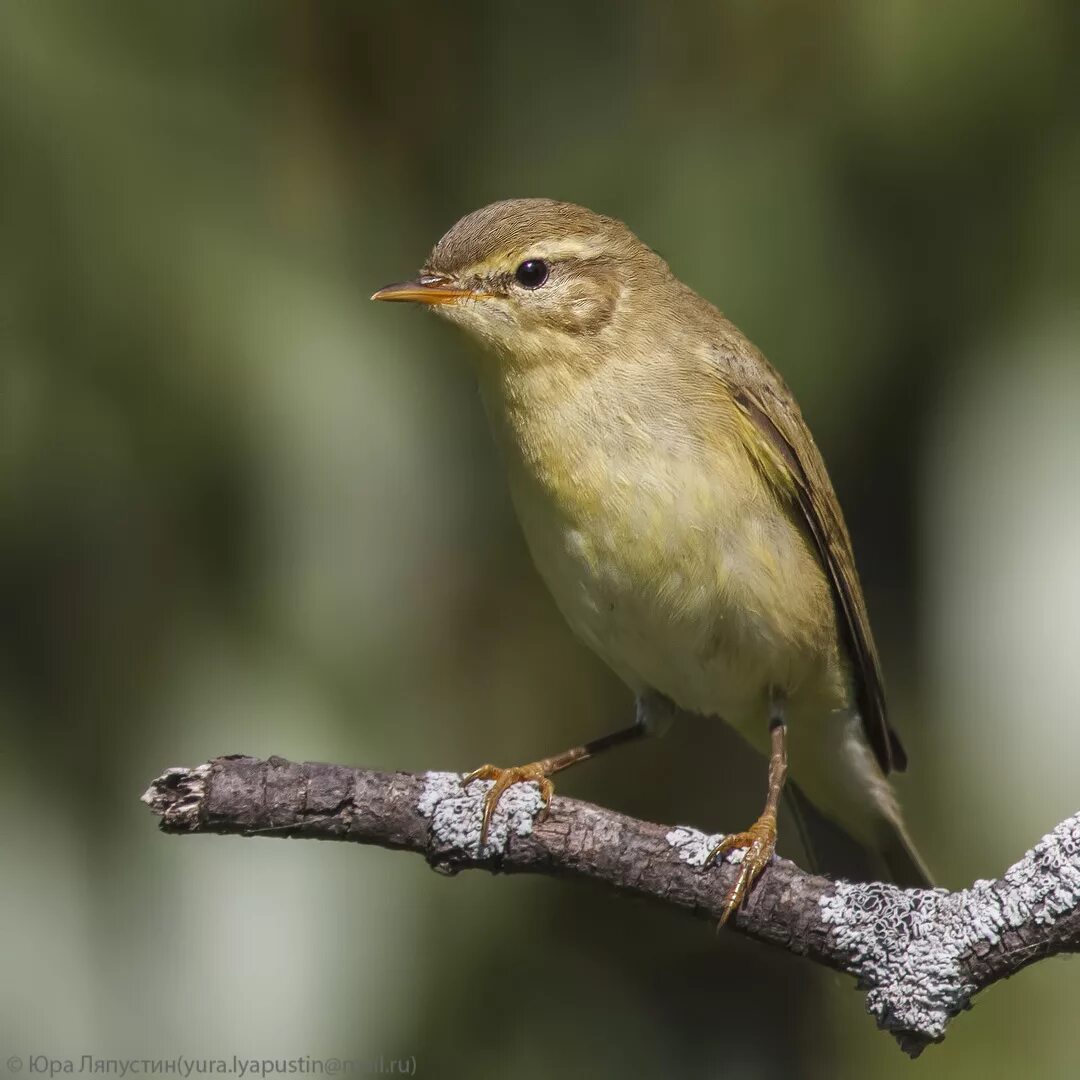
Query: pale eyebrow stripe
{"points": [[577, 247], [570, 247]]}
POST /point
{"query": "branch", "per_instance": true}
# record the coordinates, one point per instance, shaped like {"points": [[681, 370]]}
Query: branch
{"points": [[921, 955]]}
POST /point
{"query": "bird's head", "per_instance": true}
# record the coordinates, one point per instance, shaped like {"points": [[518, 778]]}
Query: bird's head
{"points": [[537, 279]]}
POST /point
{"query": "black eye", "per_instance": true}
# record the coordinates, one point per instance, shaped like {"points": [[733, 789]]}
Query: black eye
{"points": [[532, 273]]}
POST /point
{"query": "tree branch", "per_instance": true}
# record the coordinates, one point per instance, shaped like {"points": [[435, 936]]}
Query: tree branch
{"points": [[921, 955]]}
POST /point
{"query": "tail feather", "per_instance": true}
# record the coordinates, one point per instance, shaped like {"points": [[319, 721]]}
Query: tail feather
{"points": [[832, 850], [904, 863]]}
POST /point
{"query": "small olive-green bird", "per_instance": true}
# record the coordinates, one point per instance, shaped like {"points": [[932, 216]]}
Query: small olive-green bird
{"points": [[678, 509]]}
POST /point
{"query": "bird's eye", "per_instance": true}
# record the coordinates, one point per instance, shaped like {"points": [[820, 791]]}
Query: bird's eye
{"points": [[532, 273]]}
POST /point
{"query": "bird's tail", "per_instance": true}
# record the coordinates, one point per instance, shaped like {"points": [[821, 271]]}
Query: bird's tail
{"points": [[903, 861], [832, 850]]}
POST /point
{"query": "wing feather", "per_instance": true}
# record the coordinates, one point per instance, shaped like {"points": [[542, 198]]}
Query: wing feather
{"points": [[773, 411]]}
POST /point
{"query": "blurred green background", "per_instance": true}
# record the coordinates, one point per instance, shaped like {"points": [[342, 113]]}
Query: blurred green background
{"points": [[242, 509]]}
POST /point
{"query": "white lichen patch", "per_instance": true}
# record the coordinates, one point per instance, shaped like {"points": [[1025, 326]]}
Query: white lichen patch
{"points": [[907, 946], [456, 812], [694, 847]]}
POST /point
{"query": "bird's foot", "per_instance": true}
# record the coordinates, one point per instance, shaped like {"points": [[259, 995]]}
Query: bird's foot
{"points": [[536, 772], [760, 843]]}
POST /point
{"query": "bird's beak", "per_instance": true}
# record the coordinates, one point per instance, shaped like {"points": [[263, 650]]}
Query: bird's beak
{"points": [[426, 289]]}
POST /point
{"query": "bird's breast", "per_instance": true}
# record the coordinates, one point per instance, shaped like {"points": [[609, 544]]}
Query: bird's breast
{"points": [[667, 553]]}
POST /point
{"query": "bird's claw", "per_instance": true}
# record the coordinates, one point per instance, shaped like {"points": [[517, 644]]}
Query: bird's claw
{"points": [[535, 772], [760, 844]]}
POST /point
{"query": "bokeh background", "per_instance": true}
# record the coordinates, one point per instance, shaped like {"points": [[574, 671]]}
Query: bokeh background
{"points": [[244, 510]]}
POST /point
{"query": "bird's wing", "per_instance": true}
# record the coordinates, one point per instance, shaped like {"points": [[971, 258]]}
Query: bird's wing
{"points": [[796, 462]]}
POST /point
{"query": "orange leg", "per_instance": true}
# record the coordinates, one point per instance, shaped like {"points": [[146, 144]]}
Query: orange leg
{"points": [[540, 772], [760, 839]]}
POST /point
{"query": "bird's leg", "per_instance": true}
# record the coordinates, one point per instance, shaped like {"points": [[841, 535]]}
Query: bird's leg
{"points": [[760, 839], [650, 709]]}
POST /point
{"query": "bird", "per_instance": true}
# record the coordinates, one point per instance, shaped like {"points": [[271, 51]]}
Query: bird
{"points": [[679, 511]]}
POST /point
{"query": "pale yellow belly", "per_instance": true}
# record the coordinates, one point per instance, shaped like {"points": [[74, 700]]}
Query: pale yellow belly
{"points": [[714, 604]]}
